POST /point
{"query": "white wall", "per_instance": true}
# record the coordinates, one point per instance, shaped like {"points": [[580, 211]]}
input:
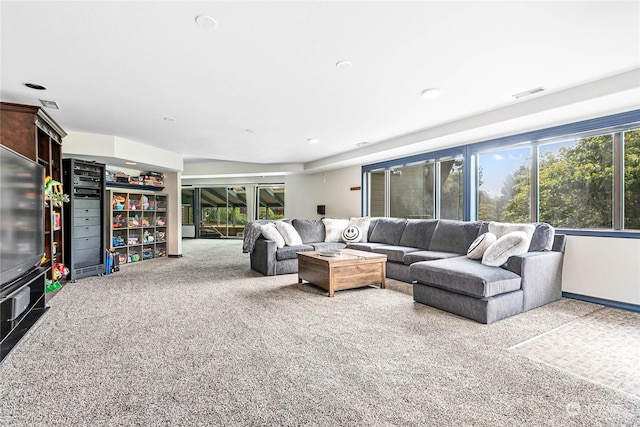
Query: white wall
{"points": [[603, 267], [332, 189]]}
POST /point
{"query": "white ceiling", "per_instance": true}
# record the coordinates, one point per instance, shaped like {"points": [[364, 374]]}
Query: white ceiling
{"points": [[119, 68]]}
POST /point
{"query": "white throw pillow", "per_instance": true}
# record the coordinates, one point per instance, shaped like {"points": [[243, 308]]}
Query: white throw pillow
{"points": [[502, 228], [514, 243], [480, 245], [289, 234], [333, 229], [363, 224], [270, 232], [351, 234]]}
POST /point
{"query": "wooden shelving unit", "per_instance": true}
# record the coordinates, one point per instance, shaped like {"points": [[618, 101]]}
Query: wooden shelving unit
{"points": [[138, 225], [28, 130]]}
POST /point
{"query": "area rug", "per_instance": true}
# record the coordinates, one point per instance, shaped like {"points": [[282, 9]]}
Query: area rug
{"points": [[602, 346]]}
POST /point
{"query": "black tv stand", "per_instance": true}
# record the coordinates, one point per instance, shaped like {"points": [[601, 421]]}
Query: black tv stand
{"points": [[12, 330]]}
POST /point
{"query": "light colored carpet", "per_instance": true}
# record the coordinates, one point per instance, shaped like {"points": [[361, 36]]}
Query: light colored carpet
{"points": [[603, 346], [203, 340]]}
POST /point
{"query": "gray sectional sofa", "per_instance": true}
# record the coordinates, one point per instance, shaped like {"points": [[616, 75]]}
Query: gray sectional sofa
{"points": [[432, 255]]}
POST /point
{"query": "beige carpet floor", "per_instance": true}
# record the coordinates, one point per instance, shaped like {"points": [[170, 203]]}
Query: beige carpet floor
{"points": [[204, 341], [603, 346]]}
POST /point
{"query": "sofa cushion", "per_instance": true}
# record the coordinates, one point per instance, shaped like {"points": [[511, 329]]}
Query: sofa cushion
{"points": [[291, 252], [418, 256], [388, 230], [465, 276], [270, 232], [289, 233], [542, 239], [480, 245], [454, 236], [310, 230], [418, 233], [363, 223], [322, 246], [333, 229], [364, 246], [394, 253], [514, 243]]}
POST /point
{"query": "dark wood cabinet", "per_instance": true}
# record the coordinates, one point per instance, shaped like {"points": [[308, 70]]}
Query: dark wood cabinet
{"points": [[30, 131]]}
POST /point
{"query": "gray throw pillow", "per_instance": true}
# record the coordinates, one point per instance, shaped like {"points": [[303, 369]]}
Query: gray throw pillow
{"points": [[310, 230]]}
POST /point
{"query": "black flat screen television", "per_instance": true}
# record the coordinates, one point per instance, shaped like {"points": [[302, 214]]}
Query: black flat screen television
{"points": [[21, 216]]}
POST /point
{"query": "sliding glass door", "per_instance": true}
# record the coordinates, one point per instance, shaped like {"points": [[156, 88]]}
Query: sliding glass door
{"points": [[270, 202], [223, 212]]}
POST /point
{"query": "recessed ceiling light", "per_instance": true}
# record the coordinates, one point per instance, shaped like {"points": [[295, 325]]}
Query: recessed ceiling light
{"points": [[528, 92], [206, 21], [49, 104], [35, 86], [431, 93], [313, 140], [130, 163], [169, 119], [248, 130], [343, 64]]}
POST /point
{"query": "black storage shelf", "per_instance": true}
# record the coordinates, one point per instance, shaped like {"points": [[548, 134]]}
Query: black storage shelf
{"points": [[127, 186]]}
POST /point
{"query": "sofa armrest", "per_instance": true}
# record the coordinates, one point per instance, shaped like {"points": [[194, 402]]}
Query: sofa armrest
{"points": [[541, 274], [263, 257]]}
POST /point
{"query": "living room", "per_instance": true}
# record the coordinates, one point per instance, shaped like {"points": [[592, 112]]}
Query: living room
{"points": [[233, 127]]}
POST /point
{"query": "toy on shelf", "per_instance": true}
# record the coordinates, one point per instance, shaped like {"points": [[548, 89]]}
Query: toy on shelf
{"points": [[145, 203], [133, 241], [118, 221], [134, 221], [160, 236], [134, 257], [145, 222], [147, 253], [117, 241], [134, 205], [53, 192], [160, 222], [148, 238], [160, 251], [118, 202], [56, 221], [59, 271], [122, 259]]}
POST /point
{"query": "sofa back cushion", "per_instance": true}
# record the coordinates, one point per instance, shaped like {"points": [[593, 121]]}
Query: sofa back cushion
{"points": [[454, 236], [310, 230], [388, 230], [418, 233]]}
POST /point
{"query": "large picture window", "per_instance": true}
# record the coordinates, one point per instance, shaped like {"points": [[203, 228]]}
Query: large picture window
{"points": [[576, 183], [504, 185], [581, 177]]}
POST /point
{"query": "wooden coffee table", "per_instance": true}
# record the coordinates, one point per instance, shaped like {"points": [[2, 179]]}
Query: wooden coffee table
{"points": [[351, 269]]}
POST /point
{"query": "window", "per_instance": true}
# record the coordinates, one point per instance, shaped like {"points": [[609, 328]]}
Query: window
{"points": [[582, 177], [451, 203], [576, 183], [504, 185], [270, 203], [411, 191], [631, 141], [377, 193], [187, 206]]}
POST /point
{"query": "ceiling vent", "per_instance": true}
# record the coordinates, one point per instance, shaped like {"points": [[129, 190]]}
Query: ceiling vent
{"points": [[49, 104], [528, 92]]}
